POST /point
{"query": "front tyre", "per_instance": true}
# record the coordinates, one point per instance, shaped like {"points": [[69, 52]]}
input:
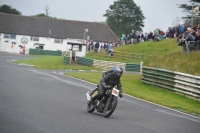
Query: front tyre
{"points": [[108, 110]]}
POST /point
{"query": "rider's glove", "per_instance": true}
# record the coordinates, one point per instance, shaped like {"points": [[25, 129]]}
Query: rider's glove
{"points": [[105, 86], [120, 95]]}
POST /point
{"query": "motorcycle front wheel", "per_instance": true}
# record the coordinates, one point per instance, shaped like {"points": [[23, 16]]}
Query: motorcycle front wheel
{"points": [[108, 110]]}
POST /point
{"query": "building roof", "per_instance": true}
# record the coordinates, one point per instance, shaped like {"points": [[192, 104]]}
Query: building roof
{"points": [[55, 28]]}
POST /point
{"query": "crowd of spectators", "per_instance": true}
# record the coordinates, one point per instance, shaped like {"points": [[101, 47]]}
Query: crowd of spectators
{"points": [[191, 36], [97, 46], [182, 32], [157, 35]]}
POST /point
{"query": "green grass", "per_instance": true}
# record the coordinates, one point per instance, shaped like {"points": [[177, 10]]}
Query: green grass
{"points": [[132, 85], [103, 56], [178, 61], [148, 48], [54, 63], [165, 54]]}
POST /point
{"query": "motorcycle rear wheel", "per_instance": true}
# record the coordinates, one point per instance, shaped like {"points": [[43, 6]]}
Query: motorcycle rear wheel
{"points": [[90, 108], [111, 108]]}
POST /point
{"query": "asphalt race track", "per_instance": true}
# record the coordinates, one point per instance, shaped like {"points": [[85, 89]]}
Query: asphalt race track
{"points": [[42, 101]]}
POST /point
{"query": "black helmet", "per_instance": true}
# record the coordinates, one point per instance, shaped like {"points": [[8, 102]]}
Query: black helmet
{"points": [[118, 71]]}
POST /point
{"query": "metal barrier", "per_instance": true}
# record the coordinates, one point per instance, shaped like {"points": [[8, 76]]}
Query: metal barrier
{"points": [[182, 83], [107, 64], [84, 61], [44, 52], [67, 59], [189, 46], [120, 55]]}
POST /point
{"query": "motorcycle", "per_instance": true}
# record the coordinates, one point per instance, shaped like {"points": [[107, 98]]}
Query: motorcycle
{"points": [[106, 105]]}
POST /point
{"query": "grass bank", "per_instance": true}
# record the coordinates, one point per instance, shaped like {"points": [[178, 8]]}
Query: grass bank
{"points": [[178, 61], [164, 54], [103, 56], [132, 85], [160, 48]]}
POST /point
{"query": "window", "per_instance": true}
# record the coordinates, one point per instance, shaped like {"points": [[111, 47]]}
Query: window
{"points": [[34, 38], [10, 36], [80, 48], [58, 40]]}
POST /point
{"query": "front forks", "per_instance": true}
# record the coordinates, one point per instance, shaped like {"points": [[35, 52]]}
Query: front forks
{"points": [[108, 101]]}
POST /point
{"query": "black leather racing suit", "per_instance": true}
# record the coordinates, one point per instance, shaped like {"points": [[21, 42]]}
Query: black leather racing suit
{"points": [[109, 80], [105, 73]]}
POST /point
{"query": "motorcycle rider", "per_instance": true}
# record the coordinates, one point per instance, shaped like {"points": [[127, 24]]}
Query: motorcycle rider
{"points": [[108, 82], [103, 75]]}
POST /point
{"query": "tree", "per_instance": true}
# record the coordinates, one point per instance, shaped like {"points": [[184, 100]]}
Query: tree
{"points": [[8, 9], [42, 15], [46, 13], [124, 16], [47, 10], [187, 8]]}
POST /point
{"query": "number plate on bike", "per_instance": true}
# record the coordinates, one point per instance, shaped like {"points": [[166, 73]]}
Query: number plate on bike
{"points": [[115, 92]]}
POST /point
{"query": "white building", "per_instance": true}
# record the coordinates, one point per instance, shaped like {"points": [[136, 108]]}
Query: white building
{"points": [[9, 43], [49, 34]]}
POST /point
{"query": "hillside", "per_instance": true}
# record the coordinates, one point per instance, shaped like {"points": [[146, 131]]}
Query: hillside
{"points": [[165, 54], [161, 48]]}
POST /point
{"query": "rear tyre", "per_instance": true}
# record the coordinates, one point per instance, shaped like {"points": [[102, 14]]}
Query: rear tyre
{"points": [[90, 108]]}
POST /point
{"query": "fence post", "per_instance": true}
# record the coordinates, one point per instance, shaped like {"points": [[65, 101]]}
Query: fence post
{"points": [[141, 63], [187, 47], [70, 56]]}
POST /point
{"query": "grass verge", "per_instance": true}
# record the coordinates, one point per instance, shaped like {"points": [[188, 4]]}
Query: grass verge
{"points": [[132, 85], [53, 63]]}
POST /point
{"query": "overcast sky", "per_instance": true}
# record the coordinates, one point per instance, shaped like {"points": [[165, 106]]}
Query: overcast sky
{"points": [[158, 13]]}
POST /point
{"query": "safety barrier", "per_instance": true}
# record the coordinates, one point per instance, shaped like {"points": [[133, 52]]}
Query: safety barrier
{"points": [[182, 83], [84, 61], [132, 67], [67, 59], [107, 64], [121, 55], [44, 52]]}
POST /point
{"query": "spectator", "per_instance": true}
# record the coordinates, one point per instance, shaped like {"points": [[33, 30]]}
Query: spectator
{"points": [[137, 36], [146, 37], [172, 32], [177, 30], [156, 32], [109, 48], [123, 39], [182, 29], [96, 47], [91, 45], [128, 39], [142, 37], [189, 37], [105, 46], [24, 49], [150, 35], [197, 39]]}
